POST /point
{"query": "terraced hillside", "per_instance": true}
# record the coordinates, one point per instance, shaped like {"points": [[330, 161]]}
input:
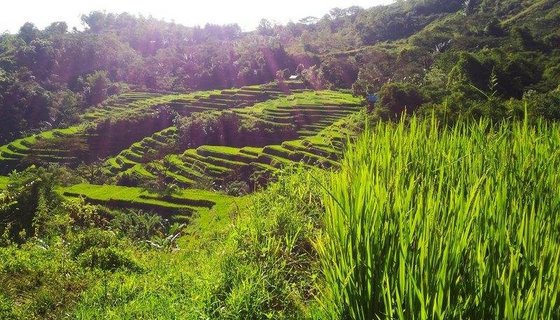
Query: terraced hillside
{"points": [[253, 165], [122, 103], [218, 165], [15, 154], [196, 141], [69, 146], [298, 116], [107, 129], [284, 107]]}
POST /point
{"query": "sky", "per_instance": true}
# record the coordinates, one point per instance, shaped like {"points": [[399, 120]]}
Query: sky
{"points": [[247, 13]]}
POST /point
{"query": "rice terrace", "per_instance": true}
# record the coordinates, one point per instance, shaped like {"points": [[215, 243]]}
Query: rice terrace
{"points": [[388, 160]]}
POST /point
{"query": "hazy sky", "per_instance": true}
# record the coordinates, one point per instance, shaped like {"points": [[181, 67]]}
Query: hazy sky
{"points": [[245, 12]]}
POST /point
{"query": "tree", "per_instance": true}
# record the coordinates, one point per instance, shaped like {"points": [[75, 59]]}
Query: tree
{"points": [[27, 201], [96, 88], [469, 7], [56, 29], [400, 97], [313, 77], [524, 39], [493, 28], [265, 28], [96, 21], [28, 32], [469, 70], [341, 72], [161, 184]]}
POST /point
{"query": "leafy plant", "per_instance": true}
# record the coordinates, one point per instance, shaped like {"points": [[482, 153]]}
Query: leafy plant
{"points": [[435, 222]]}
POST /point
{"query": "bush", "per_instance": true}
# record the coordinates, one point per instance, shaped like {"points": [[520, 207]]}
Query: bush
{"points": [[107, 259], [138, 225], [208, 128], [399, 98], [545, 105], [132, 179], [83, 214], [92, 238], [6, 311], [229, 128], [29, 200]]}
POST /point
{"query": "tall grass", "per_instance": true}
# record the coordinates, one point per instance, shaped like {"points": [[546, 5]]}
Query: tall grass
{"points": [[425, 222]]}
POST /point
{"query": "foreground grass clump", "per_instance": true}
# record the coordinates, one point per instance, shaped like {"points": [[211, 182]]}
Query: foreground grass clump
{"points": [[425, 222], [269, 268]]}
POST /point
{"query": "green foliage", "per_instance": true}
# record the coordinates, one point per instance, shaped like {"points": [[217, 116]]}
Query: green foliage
{"points": [[469, 69], [96, 86], [49, 76], [141, 226], [41, 278], [107, 259], [399, 97], [3, 182], [27, 202], [544, 105], [382, 248], [92, 238], [82, 214], [231, 129], [207, 128], [269, 271], [458, 222]]}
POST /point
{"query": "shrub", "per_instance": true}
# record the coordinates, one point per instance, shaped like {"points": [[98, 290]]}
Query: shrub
{"points": [[107, 259], [208, 128], [545, 105], [92, 238], [133, 179], [138, 225], [28, 202], [229, 128], [399, 98], [6, 308], [83, 214]]}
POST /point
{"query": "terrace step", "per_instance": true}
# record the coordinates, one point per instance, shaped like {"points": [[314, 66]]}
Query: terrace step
{"points": [[332, 155], [181, 169], [200, 163], [227, 155]]}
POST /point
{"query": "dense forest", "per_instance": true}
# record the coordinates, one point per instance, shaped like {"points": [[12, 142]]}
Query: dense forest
{"points": [[392, 162]]}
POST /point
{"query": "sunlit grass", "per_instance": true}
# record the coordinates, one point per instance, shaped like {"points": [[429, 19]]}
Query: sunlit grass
{"points": [[453, 223], [3, 182], [190, 200]]}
